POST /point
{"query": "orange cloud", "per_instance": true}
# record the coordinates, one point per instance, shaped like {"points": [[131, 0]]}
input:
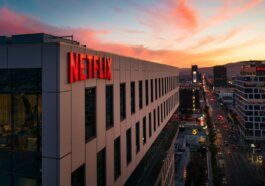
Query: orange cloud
{"points": [[231, 9], [217, 39], [176, 14]]}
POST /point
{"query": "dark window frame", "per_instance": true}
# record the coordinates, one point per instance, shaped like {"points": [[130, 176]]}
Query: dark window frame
{"points": [[122, 109], [111, 124], [89, 137]]}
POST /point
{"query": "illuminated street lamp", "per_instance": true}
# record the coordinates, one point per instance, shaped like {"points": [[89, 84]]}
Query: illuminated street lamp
{"points": [[252, 145]]}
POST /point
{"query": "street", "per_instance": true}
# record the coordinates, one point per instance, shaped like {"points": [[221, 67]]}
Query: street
{"points": [[238, 169]]}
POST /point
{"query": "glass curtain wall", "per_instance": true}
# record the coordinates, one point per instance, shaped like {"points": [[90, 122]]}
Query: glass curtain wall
{"points": [[20, 127]]}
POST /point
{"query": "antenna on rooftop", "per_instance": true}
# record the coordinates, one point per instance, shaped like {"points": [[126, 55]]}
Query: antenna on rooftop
{"points": [[68, 37]]}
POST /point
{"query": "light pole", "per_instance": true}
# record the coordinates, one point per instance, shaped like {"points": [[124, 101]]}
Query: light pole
{"points": [[252, 145]]}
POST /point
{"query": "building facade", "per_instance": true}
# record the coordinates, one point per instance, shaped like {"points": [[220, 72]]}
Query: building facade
{"points": [[225, 94], [194, 73], [250, 101], [219, 76], [70, 115], [189, 98]]}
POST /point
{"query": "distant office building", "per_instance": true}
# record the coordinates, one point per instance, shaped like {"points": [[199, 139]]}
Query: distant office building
{"points": [[194, 73], [250, 101], [189, 95], [70, 115], [220, 76]]}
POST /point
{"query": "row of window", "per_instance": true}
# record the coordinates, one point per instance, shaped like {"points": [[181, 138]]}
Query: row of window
{"points": [[257, 119], [255, 79], [256, 133], [156, 117], [159, 87], [162, 86], [249, 95], [254, 107], [162, 111], [250, 125], [78, 176]]}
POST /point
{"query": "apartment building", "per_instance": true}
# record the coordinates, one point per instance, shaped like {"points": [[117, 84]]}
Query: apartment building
{"points": [[250, 101]]}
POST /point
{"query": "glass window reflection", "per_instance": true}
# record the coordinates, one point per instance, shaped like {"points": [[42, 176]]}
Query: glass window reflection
{"points": [[5, 121], [20, 126], [25, 121]]}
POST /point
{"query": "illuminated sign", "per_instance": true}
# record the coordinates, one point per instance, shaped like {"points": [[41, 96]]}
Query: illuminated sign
{"points": [[194, 131], [86, 66], [260, 68]]}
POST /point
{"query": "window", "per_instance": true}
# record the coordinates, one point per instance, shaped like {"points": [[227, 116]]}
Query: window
{"points": [[144, 130], [152, 90], [109, 106], [132, 97], [122, 101], [164, 110], [155, 88], [137, 137], [154, 115], [140, 94], [117, 158], [163, 88], [164, 79], [78, 176], [159, 89], [161, 112], [128, 146], [101, 168], [90, 111], [158, 115], [20, 126], [146, 93], [150, 124]]}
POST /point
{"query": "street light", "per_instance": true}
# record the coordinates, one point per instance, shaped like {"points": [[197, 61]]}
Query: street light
{"points": [[252, 145]]}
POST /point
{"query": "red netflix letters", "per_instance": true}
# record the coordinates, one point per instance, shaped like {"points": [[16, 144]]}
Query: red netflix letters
{"points": [[85, 66]]}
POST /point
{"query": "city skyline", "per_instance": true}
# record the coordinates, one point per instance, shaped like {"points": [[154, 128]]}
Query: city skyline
{"points": [[178, 33]]}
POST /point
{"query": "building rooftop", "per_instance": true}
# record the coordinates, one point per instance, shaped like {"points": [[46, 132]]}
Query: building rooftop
{"points": [[36, 38]]}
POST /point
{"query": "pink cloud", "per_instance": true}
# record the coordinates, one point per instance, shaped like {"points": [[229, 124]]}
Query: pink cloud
{"points": [[14, 23], [177, 14], [184, 15]]}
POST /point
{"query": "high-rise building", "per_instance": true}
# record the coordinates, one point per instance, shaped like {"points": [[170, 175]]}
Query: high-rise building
{"points": [[70, 115], [220, 76], [194, 73], [250, 101]]}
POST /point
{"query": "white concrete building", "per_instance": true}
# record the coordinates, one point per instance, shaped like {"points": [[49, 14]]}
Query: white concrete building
{"points": [[70, 115], [250, 101]]}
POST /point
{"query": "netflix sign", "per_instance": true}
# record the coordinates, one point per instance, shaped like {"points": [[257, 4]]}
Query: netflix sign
{"points": [[86, 66], [260, 71]]}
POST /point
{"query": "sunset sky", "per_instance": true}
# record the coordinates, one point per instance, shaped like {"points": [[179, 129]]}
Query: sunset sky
{"points": [[175, 32]]}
